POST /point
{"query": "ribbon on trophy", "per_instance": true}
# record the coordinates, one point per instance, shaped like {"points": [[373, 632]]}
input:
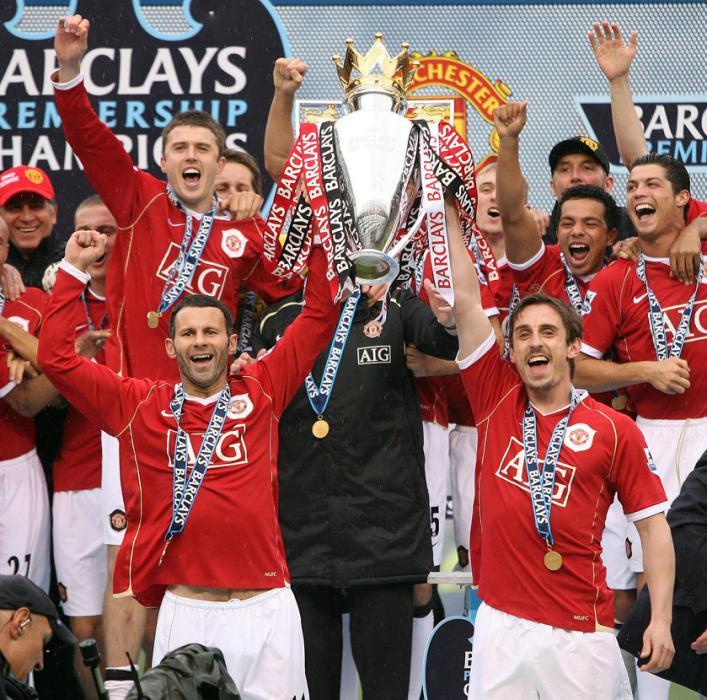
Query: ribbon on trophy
{"points": [[245, 330]]}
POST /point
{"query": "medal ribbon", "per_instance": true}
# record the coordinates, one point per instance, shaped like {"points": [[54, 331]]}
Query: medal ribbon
{"points": [[571, 287], [319, 395], [655, 316], [3, 301], [89, 320], [190, 252], [185, 489], [542, 484]]}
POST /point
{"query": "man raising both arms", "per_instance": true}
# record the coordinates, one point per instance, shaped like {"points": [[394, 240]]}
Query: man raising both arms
{"points": [[172, 239], [553, 458], [202, 513]]}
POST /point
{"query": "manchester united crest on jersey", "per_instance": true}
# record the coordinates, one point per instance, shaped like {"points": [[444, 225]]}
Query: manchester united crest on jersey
{"points": [[240, 406], [373, 329], [579, 437], [233, 243]]}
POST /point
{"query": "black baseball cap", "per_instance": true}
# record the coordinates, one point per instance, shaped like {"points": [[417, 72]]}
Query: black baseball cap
{"points": [[19, 592], [579, 144]]}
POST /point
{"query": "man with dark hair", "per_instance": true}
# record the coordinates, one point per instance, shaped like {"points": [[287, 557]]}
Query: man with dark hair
{"points": [[553, 458], [586, 228], [203, 540], [199, 119], [655, 320], [28, 206], [174, 238], [239, 185]]}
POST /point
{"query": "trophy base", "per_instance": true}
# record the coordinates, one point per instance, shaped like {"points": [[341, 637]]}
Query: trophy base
{"points": [[373, 267]]}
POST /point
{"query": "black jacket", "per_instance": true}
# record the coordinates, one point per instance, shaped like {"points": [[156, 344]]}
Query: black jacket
{"points": [[353, 506], [31, 269], [688, 523]]}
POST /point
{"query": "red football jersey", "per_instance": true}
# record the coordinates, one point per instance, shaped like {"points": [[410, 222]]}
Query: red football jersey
{"points": [[148, 244], [78, 464], [617, 314], [432, 391], [17, 434], [544, 272], [232, 538], [603, 452]]}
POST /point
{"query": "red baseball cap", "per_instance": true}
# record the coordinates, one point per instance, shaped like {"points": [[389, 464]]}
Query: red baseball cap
{"points": [[25, 179]]}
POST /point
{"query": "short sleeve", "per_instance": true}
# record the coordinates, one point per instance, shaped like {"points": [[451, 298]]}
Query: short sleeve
{"points": [[601, 314], [487, 378], [530, 275]]}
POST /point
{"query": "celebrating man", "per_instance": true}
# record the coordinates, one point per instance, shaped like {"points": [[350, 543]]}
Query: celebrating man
{"points": [[202, 516], [552, 460]]}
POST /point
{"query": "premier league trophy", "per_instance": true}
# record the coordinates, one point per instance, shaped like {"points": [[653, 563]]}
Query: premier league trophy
{"points": [[371, 183], [376, 150]]}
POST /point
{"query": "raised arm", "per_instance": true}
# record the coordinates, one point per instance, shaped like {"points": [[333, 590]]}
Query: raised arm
{"points": [[288, 75], [293, 356], [96, 391], [473, 326], [614, 58], [92, 141], [519, 228]]}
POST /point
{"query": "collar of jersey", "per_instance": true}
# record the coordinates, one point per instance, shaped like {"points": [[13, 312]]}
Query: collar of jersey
{"points": [[582, 395], [204, 401]]}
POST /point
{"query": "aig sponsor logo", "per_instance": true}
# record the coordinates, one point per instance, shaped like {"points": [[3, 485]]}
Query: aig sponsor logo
{"points": [[374, 355], [698, 324], [512, 469], [209, 277], [230, 449]]}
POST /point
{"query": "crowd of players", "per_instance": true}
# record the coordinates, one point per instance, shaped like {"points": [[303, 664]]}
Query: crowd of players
{"points": [[294, 527]]}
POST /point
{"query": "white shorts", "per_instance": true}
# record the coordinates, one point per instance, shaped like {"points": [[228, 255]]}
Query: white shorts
{"points": [[462, 458], [436, 471], [676, 446], [24, 519], [79, 551], [613, 549], [517, 658], [113, 518], [261, 640]]}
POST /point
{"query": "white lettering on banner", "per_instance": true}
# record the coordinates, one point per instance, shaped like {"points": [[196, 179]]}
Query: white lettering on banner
{"points": [[230, 449], [167, 65], [512, 470], [209, 278]]}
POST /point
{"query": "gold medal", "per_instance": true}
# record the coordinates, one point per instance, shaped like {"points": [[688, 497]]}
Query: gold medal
{"points": [[552, 560], [153, 319], [619, 402], [320, 429]]}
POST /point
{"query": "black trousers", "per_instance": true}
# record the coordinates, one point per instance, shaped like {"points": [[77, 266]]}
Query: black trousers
{"points": [[381, 638]]}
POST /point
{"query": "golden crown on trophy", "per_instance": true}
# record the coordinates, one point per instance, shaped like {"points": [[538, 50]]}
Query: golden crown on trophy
{"points": [[376, 69]]}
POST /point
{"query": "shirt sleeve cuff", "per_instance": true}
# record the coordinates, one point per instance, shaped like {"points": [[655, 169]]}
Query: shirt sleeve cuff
{"points": [[519, 267], [80, 275], [478, 353], [592, 352], [5, 390], [647, 512], [67, 85]]}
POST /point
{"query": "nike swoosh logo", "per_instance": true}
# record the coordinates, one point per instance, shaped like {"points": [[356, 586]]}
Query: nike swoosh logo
{"points": [[167, 414], [640, 297]]}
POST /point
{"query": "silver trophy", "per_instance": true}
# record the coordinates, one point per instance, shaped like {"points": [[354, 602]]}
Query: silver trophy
{"points": [[377, 150]]}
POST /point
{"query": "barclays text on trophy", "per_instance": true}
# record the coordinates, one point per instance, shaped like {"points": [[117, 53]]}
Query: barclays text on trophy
{"points": [[371, 183]]}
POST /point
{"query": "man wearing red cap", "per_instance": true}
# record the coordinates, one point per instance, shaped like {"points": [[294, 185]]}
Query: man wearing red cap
{"points": [[28, 206]]}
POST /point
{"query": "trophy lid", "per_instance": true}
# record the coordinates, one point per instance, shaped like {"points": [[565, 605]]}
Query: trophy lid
{"points": [[377, 71]]}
